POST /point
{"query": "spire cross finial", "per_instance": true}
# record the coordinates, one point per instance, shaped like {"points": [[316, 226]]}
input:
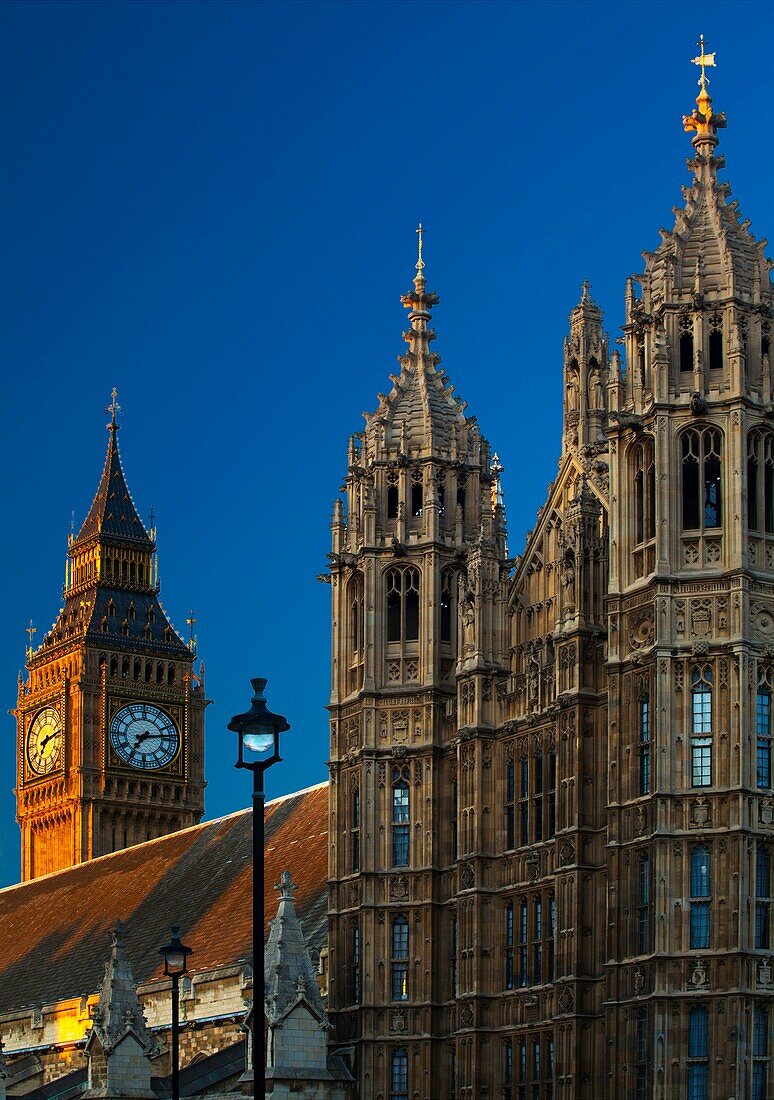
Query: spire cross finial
{"points": [[31, 631], [113, 408], [420, 261], [286, 886], [191, 621], [706, 60]]}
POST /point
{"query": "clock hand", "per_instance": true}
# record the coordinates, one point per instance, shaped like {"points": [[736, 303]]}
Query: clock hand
{"points": [[45, 741]]}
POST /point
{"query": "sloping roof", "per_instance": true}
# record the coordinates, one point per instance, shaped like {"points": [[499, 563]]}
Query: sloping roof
{"points": [[112, 512], [54, 930]]}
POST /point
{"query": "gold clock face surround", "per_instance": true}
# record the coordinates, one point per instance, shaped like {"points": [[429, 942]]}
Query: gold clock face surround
{"points": [[44, 741], [144, 736]]}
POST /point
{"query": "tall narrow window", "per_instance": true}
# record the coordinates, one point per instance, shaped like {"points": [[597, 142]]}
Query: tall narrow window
{"points": [[448, 594], [454, 826], [510, 805], [507, 1068], [643, 904], [763, 731], [552, 791], [399, 1089], [686, 345], [549, 1092], [698, 1053], [644, 746], [402, 598], [537, 941], [453, 954], [753, 481], [400, 958], [400, 819], [537, 1067], [701, 727], [760, 481], [716, 342], [641, 1056], [509, 945], [355, 965], [760, 1053], [392, 501], [416, 499], [551, 945], [644, 493], [762, 898], [523, 969], [701, 897], [523, 801], [521, 1068], [702, 479], [538, 799], [355, 832]]}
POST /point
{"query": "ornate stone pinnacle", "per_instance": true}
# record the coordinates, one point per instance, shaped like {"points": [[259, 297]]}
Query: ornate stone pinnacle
{"points": [[286, 886]]}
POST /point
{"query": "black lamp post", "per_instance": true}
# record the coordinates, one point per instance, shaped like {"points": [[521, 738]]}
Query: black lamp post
{"points": [[258, 731], [175, 964]]}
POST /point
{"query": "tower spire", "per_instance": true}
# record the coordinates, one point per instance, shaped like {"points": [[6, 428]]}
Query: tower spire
{"points": [[113, 409], [420, 277], [703, 122]]}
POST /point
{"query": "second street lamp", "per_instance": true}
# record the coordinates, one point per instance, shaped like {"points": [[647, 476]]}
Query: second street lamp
{"points": [[175, 965], [258, 731]]}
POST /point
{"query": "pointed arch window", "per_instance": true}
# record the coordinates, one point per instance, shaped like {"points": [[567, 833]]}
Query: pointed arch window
{"points": [[644, 743], [760, 1053], [510, 805], [393, 496], [402, 597], [701, 451], [701, 897], [716, 342], [400, 958], [355, 832], [686, 345], [355, 964], [701, 727], [399, 1089], [400, 817], [760, 481], [644, 493], [641, 1052], [523, 943], [417, 495], [763, 734], [448, 594], [762, 897], [643, 904], [698, 1053], [509, 945]]}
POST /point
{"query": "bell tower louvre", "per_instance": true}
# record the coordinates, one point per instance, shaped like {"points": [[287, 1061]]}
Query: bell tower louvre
{"points": [[110, 719]]}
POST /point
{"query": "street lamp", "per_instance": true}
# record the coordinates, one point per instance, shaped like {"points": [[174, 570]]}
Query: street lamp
{"points": [[175, 964], [258, 731]]}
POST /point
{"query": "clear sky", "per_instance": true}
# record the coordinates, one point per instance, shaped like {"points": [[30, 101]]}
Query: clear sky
{"points": [[212, 207]]}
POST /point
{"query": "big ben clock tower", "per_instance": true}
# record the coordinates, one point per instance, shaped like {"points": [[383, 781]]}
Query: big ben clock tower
{"points": [[110, 720]]}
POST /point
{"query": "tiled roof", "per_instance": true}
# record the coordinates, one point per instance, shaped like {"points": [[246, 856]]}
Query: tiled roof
{"points": [[54, 930]]}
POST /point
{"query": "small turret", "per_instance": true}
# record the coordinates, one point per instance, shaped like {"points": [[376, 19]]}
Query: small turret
{"points": [[585, 374]]}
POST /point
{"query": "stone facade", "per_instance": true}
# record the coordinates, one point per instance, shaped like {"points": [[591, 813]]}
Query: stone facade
{"points": [[551, 811]]}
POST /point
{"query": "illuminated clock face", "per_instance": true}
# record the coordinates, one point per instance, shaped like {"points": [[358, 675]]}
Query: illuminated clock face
{"points": [[144, 736], [44, 741]]}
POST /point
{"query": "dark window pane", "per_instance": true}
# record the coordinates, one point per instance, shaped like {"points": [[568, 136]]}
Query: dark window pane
{"points": [[716, 350], [412, 616], [686, 353], [392, 502], [393, 616], [416, 499], [690, 494]]}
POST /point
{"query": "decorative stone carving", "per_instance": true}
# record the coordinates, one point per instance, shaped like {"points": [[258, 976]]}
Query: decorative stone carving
{"points": [[398, 1022], [762, 622], [466, 1016], [699, 977], [399, 887], [700, 813], [766, 812], [467, 876], [638, 980], [565, 1002], [765, 976], [641, 628]]}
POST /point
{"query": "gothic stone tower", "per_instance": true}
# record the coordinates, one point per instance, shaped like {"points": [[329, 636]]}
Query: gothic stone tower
{"points": [[691, 658], [110, 721], [418, 602]]}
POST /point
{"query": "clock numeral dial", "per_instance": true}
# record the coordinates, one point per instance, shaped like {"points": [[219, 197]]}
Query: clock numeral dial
{"points": [[143, 736], [44, 741]]}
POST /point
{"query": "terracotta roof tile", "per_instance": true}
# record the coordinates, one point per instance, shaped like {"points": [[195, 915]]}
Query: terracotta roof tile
{"points": [[53, 930]]}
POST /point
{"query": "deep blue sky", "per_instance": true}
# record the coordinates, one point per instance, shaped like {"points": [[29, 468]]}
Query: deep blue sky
{"points": [[212, 206]]}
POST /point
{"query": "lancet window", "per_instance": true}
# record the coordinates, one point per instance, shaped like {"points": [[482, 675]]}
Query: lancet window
{"points": [[701, 897], [400, 958], [354, 962], [448, 603], [641, 1055], [393, 496], [644, 492], [530, 930], [402, 598], [400, 817], [354, 835], [643, 903], [716, 342], [644, 746], [760, 481], [698, 1053], [686, 344], [701, 727], [760, 1053], [701, 451], [762, 897]]}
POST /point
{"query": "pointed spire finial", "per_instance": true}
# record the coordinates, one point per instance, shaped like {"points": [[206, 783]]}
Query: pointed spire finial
{"points": [[31, 631], [286, 886], [419, 280], [703, 121], [113, 408]]}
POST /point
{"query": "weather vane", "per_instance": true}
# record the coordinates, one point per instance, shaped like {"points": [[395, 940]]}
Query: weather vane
{"points": [[706, 60], [420, 261], [113, 408], [31, 631], [191, 621]]}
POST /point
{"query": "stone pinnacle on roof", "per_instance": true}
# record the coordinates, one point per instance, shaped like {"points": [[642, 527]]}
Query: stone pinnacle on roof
{"points": [[288, 972], [119, 1011], [113, 511]]}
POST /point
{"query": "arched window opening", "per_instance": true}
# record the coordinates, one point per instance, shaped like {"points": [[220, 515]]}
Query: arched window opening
{"points": [[702, 479], [760, 481], [762, 898], [716, 342], [141, 573], [448, 592], [171, 676], [137, 669], [763, 735], [552, 791], [400, 958], [698, 1053], [644, 493], [355, 832], [641, 1055], [686, 345], [400, 818], [399, 1089], [644, 744], [114, 665], [641, 360], [417, 502], [123, 570], [461, 496], [523, 941], [701, 898], [402, 592], [523, 801], [701, 727], [510, 805], [148, 671], [537, 941], [392, 501], [509, 945], [760, 1053], [643, 904], [125, 668], [354, 957], [159, 673], [132, 572]]}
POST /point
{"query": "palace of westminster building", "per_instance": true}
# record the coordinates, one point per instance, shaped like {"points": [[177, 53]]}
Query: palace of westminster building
{"points": [[550, 806]]}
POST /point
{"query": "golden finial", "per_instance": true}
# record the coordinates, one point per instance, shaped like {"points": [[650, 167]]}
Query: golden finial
{"points": [[706, 60], [420, 261], [31, 631], [113, 408], [191, 621]]}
